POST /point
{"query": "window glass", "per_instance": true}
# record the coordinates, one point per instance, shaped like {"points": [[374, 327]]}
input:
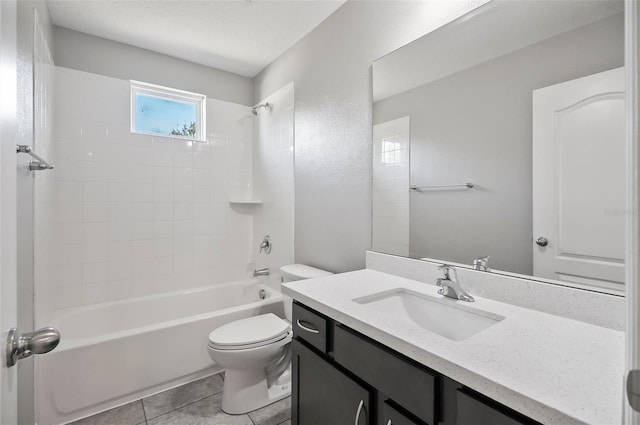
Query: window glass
{"points": [[166, 112]]}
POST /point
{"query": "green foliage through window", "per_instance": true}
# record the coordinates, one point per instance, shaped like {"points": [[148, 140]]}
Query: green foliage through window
{"points": [[186, 130]]}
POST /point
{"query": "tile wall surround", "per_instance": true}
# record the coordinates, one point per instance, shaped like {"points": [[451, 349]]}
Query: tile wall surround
{"points": [[390, 215], [273, 182], [43, 136], [586, 306], [126, 215]]}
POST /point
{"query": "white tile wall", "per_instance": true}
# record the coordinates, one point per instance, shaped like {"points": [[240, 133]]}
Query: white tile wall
{"points": [[128, 214], [45, 207], [390, 220], [273, 182]]}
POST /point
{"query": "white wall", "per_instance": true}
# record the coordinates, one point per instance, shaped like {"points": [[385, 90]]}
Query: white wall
{"points": [[97, 55], [330, 68], [273, 182], [133, 214], [476, 125]]}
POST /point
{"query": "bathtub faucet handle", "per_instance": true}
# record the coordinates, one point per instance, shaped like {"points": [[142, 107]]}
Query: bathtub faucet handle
{"points": [[266, 244]]}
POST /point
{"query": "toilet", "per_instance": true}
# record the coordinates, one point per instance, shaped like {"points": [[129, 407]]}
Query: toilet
{"points": [[256, 353]]}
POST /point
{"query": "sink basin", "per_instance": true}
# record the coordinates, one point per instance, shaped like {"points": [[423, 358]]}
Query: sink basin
{"points": [[443, 316]]}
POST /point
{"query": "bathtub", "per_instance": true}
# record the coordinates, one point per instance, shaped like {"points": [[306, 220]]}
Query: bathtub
{"points": [[117, 352]]}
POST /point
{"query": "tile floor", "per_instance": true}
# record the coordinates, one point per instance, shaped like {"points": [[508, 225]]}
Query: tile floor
{"points": [[195, 403]]}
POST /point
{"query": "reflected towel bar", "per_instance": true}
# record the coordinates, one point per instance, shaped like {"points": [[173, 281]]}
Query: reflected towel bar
{"points": [[468, 185], [39, 163]]}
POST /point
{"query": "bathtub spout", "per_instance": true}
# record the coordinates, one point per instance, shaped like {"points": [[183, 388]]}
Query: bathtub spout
{"points": [[261, 272]]}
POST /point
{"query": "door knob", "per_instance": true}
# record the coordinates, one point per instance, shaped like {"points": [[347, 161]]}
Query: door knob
{"points": [[38, 342], [542, 241]]}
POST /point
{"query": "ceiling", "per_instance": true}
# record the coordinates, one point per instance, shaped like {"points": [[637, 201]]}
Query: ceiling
{"points": [[238, 36]]}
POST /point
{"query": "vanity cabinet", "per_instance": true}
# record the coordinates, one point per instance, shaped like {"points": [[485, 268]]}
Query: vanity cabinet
{"points": [[323, 394], [343, 377]]}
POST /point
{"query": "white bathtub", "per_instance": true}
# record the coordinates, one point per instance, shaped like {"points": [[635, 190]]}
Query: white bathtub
{"points": [[116, 352]]}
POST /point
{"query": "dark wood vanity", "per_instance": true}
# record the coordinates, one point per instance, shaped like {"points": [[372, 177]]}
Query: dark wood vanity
{"points": [[343, 377]]}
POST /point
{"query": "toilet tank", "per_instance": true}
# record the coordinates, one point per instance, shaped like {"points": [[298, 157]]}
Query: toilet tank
{"points": [[293, 272]]}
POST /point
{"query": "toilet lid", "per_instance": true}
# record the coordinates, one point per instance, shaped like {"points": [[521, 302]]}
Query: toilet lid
{"points": [[256, 330]]}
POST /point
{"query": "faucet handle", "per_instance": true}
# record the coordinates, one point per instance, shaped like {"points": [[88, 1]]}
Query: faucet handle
{"points": [[446, 268], [266, 244], [481, 263]]}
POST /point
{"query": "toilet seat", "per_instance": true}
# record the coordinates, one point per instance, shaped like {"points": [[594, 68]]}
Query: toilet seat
{"points": [[252, 332]]}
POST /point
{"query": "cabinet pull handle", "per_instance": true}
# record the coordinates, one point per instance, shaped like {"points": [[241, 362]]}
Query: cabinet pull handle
{"points": [[308, 329], [360, 406]]}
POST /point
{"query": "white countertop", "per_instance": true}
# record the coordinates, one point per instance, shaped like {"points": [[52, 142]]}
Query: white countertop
{"points": [[549, 368]]}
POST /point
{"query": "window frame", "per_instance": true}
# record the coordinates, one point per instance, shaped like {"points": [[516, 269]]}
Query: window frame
{"points": [[152, 90]]}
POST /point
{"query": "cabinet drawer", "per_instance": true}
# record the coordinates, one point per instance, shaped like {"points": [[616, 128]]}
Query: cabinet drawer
{"points": [[472, 411], [408, 385], [310, 326], [391, 416]]}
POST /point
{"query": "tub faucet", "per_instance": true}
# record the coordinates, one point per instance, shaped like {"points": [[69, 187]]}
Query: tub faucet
{"points": [[481, 263], [261, 272], [451, 288]]}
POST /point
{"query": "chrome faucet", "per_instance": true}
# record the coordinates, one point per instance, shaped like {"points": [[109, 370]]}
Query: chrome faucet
{"points": [[481, 263], [451, 288], [261, 272]]}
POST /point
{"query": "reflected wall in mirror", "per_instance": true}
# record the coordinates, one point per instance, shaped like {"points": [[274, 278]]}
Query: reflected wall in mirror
{"points": [[525, 101]]}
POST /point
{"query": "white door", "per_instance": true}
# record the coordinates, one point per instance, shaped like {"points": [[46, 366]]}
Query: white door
{"points": [[8, 288], [579, 181]]}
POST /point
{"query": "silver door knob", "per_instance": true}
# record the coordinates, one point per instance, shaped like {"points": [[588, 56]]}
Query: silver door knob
{"points": [[38, 342], [542, 241]]}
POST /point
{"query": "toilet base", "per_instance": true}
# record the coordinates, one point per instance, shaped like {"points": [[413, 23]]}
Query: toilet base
{"points": [[247, 390]]}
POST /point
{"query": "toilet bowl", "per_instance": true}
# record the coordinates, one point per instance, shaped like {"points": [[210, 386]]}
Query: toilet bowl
{"points": [[256, 353]]}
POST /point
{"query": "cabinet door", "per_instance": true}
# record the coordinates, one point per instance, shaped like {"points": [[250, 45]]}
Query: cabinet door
{"points": [[471, 411], [391, 416], [323, 395]]}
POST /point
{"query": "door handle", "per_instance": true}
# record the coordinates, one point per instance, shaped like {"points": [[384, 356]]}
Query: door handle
{"points": [[633, 389], [542, 241], [359, 411], [21, 346]]}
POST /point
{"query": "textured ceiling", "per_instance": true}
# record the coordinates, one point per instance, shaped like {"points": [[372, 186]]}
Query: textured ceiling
{"points": [[238, 36]]}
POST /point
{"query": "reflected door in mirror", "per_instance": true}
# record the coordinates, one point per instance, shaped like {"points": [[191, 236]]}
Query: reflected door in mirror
{"points": [[579, 180]]}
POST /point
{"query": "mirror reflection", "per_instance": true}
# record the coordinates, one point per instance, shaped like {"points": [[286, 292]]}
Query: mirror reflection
{"points": [[502, 135]]}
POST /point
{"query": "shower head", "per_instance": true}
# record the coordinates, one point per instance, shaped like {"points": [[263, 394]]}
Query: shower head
{"points": [[255, 109]]}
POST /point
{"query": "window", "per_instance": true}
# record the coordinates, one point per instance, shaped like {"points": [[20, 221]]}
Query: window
{"points": [[391, 150], [167, 112]]}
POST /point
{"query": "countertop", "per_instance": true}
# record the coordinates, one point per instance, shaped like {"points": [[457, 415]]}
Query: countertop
{"points": [[549, 368]]}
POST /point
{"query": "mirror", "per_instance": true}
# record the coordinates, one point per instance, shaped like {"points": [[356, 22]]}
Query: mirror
{"points": [[502, 134]]}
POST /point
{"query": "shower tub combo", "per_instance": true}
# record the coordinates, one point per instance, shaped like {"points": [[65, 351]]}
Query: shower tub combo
{"points": [[116, 352]]}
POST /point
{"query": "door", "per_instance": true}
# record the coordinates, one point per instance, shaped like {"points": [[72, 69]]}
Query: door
{"points": [[579, 181], [323, 395], [8, 286]]}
